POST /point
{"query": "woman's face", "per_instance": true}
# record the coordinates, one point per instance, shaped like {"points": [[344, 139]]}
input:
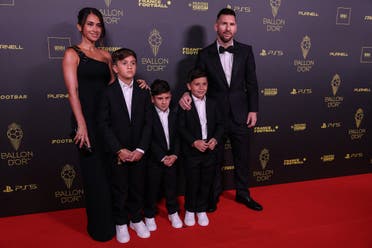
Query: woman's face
{"points": [[92, 29]]}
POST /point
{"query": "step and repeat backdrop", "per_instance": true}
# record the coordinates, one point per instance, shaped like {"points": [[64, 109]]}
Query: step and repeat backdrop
{"points": [[314, 64]]}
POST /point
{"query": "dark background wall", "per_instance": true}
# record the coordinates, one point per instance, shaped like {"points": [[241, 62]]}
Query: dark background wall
{"points": [[314, 61]]}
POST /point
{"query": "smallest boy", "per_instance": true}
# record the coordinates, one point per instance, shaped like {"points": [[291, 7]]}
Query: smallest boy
{"points": [[164, 151], [201, 129], [125, 122]]}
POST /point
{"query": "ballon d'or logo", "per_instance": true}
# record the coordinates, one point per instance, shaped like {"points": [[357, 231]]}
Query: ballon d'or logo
{"points": [[155, 41], [15, 135]]}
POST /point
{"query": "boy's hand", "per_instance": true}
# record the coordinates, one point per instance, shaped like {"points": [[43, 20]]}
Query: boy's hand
{"points": [[124, 155], [212, 143], [136, 156], [169, 160], [201, 145]]}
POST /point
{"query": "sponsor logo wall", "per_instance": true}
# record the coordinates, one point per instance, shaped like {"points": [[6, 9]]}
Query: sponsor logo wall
{"points": [[313, 60]]}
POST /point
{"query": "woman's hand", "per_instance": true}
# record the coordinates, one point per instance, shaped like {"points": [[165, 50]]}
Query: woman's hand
{"points": [[81, 136]]}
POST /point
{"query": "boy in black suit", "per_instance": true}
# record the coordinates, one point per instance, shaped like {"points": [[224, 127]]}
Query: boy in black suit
{"points": [[125, 121], [161, 167], [201, 129]]}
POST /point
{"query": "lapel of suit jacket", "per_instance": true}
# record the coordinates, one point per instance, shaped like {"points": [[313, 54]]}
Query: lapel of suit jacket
{"points": [[135, 99], [158, 126], [120, 96], [215, 57], [171, 127], [236, 61], [195, 114], [208, 106]]}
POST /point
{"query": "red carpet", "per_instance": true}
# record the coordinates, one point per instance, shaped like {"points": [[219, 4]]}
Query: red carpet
{"points": [[328, 213]]}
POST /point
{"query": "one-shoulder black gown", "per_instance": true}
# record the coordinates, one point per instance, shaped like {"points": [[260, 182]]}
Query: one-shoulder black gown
{"points": [[93, 76]]}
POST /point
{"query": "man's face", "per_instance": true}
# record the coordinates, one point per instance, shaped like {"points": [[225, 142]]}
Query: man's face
{"points": [[162, 101], [226, 28]]}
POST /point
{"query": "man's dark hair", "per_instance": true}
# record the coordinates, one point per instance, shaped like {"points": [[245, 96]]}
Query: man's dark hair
{"points": [[196, 73], [159, 87], [226, 11], [121, 54]]}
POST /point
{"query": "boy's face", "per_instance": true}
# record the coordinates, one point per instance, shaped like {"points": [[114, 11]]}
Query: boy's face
{"points": [[162, 101], [126, 69], [198, 87]]}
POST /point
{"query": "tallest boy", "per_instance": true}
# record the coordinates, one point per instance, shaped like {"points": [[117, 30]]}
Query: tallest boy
{"points": [[231, 71]]}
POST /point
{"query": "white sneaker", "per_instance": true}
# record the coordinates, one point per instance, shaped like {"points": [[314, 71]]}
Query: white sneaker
{"points": [[151, 224], [175, 220], [189, 218], [122, 234], [141, 229], [202, 219]]}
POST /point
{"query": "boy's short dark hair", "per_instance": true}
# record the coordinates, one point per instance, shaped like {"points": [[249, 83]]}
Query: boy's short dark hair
{"points": [[159, 87], [226, 11], [121, 54], [196, 73]]}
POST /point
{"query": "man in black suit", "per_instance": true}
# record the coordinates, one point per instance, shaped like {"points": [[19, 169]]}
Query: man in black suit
{"points": [[231, 71], [164, 152], [125, 119]]}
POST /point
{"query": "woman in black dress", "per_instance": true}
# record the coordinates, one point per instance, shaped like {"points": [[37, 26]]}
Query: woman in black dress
{"points": [[87, 71]]}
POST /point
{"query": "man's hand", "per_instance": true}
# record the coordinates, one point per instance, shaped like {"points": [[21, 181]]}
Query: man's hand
{"points": [[142, 84], [201, 145], [185, 101], [252, 119]]}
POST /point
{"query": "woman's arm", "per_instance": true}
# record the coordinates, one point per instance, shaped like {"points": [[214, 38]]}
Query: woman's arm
{"points": [[69, 66]]}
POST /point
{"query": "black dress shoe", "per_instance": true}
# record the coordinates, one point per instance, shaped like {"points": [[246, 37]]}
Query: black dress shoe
{"points": [[249, 202]]}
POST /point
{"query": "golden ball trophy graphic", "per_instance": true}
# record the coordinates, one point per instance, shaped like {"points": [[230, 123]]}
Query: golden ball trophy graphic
{"points": [[305, 46], [358, 117], [335, 83], [264, 158], [108, 3], [68, 175], [15, 135], [275, 4], [155, 41]]}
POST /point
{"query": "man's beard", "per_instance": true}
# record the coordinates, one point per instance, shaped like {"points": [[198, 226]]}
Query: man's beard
{"points": [[222, 38]]}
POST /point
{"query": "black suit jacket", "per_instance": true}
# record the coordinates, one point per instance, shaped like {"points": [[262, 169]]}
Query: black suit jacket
{"points": [[158, 145], [241, 96], [118, 130], [190, 129]]}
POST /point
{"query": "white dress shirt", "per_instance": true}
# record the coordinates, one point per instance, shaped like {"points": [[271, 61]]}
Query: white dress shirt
{"points": [[226, 59], [202, 113]]}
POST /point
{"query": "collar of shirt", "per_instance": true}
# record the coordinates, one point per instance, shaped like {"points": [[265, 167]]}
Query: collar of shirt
{"points": [[161, 111], [195, 99], [124, 85]]}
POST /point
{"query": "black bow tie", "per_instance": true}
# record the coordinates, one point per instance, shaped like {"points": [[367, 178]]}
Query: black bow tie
{"points": [[230, 49]]}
